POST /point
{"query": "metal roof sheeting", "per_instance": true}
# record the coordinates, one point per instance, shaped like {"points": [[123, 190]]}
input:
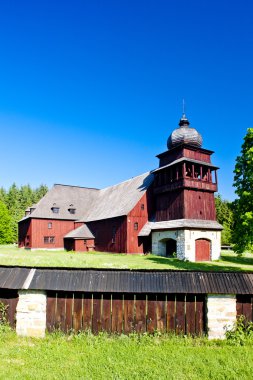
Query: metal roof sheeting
{"points": [[126, 281], [13, 278]]}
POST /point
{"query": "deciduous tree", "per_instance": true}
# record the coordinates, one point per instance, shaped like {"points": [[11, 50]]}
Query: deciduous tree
{"points": [[6, 231], [243, 206], [224, 212]]}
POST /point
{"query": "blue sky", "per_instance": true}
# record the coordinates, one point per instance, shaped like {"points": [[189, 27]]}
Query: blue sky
{"points": [[91, 90]]}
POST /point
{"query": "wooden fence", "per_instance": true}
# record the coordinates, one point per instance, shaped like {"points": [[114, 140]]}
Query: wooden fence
{"points": [[126, 313], [244, 306], [10, 299]]}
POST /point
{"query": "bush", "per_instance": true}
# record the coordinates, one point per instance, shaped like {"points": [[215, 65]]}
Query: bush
{"points": [[241, 333]]}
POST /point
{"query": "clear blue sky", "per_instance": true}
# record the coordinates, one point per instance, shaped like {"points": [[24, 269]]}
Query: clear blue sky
{"points": [[91, 90]]}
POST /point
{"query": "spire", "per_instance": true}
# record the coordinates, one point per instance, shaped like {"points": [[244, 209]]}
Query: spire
{"points": [[184, 122]]}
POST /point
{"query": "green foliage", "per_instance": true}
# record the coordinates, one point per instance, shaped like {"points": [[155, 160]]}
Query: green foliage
{"points": [[225, 217], [17, 200], [241, 333], [6, 231], [3, 313], [243, 206]]}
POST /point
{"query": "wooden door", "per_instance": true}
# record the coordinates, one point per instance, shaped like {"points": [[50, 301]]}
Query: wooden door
{"points": [[202, 250]]}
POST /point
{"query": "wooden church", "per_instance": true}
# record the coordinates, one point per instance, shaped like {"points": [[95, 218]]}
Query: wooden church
{"points": [[168, 211]]}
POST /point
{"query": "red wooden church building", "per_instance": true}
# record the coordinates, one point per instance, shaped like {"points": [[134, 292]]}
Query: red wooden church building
{"points": [[168, 210]]}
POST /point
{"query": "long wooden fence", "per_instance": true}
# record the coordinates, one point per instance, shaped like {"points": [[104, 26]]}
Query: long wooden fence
{"points": [[126, 313]]}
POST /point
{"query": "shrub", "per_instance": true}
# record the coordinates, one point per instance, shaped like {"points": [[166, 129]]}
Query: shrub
{"points": [[241, 333]]}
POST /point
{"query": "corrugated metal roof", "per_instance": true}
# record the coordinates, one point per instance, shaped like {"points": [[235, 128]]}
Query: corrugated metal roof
{"points": [[13, 278], [143, 281], [126, 281]]}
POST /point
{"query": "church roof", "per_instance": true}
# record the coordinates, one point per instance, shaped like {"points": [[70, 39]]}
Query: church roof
{"points": [[119, 199], [92, 204]]}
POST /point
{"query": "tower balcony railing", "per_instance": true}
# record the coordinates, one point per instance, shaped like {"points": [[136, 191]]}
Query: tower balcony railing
{"points": [[190, 183]]}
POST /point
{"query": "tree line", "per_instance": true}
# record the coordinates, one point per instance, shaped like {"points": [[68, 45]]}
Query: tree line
{"points": [[13, 203]]}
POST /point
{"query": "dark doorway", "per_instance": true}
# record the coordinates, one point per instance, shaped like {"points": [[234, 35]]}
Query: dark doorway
{"points": [[69, 244], [171, 247]]}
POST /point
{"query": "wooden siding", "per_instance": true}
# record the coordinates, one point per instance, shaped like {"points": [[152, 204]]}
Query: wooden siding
{"points": [[59, 229], [126, 313], [110, 234], [244, 306], [170, 206], [179, 152], [25, 233], [139, 214], [199, 205], [199, 155], [9, 298], [83, 245]]}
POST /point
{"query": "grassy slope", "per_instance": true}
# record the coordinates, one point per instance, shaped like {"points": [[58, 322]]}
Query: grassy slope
{"points": [[11, 255], [103, 357]]}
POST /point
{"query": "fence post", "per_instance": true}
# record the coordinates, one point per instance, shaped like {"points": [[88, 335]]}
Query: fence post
{"points": [[31, 313], [221, 314]]}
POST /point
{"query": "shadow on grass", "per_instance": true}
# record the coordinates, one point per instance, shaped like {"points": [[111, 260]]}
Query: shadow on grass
{"points": [[223, 265], [238, 259]]}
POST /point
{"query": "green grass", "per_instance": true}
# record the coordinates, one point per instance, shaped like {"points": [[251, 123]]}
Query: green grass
{"points": [[121, 357], [11, 255]]}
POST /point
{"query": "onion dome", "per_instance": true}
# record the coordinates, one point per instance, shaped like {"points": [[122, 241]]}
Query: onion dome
{"points": [[184, 135]]}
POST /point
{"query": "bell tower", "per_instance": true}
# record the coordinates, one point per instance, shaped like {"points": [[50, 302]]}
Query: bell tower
{"points": [[184, 187]]}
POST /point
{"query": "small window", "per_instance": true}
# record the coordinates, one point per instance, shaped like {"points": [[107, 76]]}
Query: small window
{"points": [[136, 226], [72, 210], [49, 239], [55, 210], [142, 206], [85, 242], [49, 225]]}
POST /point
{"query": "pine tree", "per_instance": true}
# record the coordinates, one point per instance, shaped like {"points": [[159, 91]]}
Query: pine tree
{"points": [[243, 182]]}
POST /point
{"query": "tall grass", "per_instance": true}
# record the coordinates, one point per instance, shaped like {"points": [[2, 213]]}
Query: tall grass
{"points": [[85, 356]]}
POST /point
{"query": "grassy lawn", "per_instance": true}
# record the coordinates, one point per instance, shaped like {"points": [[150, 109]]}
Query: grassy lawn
{"points": [[121, 357], [11, 255]]}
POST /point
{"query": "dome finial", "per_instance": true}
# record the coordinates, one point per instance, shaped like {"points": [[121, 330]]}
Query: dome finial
{"points": [[183, 107], [184, 122]]}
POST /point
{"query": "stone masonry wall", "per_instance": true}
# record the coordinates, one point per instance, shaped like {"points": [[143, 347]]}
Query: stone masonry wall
{"points": [[185, 242], [221, 314], [31, 313]]}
